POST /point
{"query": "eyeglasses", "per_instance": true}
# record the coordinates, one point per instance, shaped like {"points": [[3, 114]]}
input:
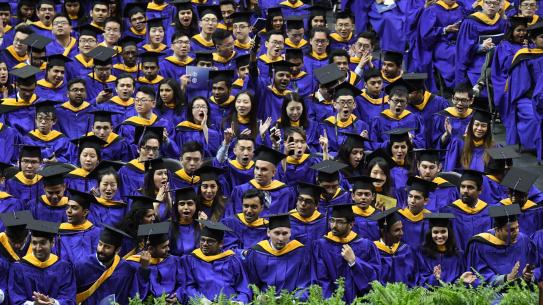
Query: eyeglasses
{"points": [[44, 119], [321, 41], [210, 20], [345, 103], [151, 148], [199, 107], [277, 43], [306, 201], [186, 42], [492, 3], [142, 100], [529, 5], [399, 102], [33, 162], [239, 27], [461, 100], [87, 41]]}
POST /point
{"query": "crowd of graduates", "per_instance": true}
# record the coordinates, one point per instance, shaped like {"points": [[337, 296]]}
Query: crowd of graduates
{"points": [[192, 148]]}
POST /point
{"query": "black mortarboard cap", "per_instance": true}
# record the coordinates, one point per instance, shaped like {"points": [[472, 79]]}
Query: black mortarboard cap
{"points": [[328, 170], [439, 219], [155, 164], [296, 53], [82, 198], [7, 170], [103, 115], [133, 8], [473, 175], [394, 57], [25, 72], [88, 30], [40, 228], [482, 116], [4, 6], [354, 140], [103, 165], [515, 21], [157, 233], [271, 155], [372, 73], [346, 89], [274, 11], [241, 17], [503, 152], [536, 29], [37, 41], [381, 153], [150, 56], [243, 60], [30, 151], [421, 185], [57, 60], [102, 55], [221, 75], [213, 229], [203, 55], [185, 193], [329, 74], [16, 219], [362, 182], [155, 23], [54, 174], [129, 41], [182, 4], [386, 218], [112, 236], [519, 180], [295, 23], [278, 221], [208, 173], [343, 210], [89, 142], [416, 80], [142, 202], [209, 9], [46, 106], [344, 14], [312, 190], [430, 155], [399, 134], [398, 83], [502, 214], [140, 131], [281, 65]]}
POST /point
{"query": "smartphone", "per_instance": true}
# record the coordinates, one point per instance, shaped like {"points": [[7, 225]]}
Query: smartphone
{"points": [[272, 133], [108, 90], [530, 267], [291, 151]]}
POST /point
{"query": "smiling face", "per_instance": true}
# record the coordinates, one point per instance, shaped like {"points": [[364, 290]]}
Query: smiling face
{"points": [[108, 186], [75, 213], [440, 235], [344, 27], [282, 80], [462, 102], [209, 189], [243, 104], [156, 35], [275, 45], [55, 74], [479, 129], [294, 110], [252, 207], [41, 247]]}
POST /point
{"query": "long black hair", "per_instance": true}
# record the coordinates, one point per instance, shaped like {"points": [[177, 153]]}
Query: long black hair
{"points": [[232, 118], [385, 167], [193, 27], [178, 97], [429, 247], [285, 121], [218, 204]]}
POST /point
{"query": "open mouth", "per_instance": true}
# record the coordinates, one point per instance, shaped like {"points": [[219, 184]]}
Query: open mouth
{"points": [[245, 159]]}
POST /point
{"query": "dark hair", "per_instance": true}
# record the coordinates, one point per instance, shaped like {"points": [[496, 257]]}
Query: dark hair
{"points": [[312, 15], [192, 146], [398, 91], [193, 27], [408, 157], [19, 14], [469, 145], [269, 23], [77, 80], [254, 193], [178, 97], [429, 247], [109, 171], [220, 35], [273, 32], [148, 136], [218, 204], [114, 19], [190, 117], [147, 90], [125, 75], [132, 221], [179, 34], [337, 53], [464, 88], [385, 167], [320, 30], [59, 15], [244, 137], [369, 35], [232, 116], [148, 187], [97, 150], [293, 97], [23, 28], [344, 154]]}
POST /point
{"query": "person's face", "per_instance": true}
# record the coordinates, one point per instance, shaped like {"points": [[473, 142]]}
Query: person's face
{"points": [[41, 247], [150, 70], [509, 233], [277, 22], [37, 58], [344, 106], [252, 207], [226, 11], [18, 45], [440, 235], [185, 17], [160, 251], [144, 103], [416, 201], [204, 64], [191, 161], [294, 110], [243, 71], [186, 209], [75, 213], [429, 170], [77, 93], [88, 159], [264, 172], [210, 246], [330, 187], [61, 26], [295, 35], [54, 192], [378, 173], [209, 23], [149, 217], [226, 47], [340, 227], [220, 91], [244, 151], [469, 192], [344, 27], [105, 252], [130, 55], [86, 43], [491, 7], [318, 21], [3, 73], [166, 93], [209, 189], [125, 88], [342, 62], [27, 11], [479, 129], [528, 8], [298, 63], [519, 198], [112, 32], [150, 150], [399, 150], [18, 241], [243, 104], [30, 165], [241, 30], [519, 33], [279, 237], [108, 187], [390, 69], [282, 79], [462, 102], [72, 8], [45, 13], [102, 129], [363, 198], [99, 13], [181, 46], [300, 144], [160, 178], [55, 74], [275, 45], [156, 34], [138, 21], [45, 122], [5, 17], [395, 232], [538, 41], [306, 205], [199, 110], [356, 156], [319, 42], [26, 91], [363, 45], [397, 104]]}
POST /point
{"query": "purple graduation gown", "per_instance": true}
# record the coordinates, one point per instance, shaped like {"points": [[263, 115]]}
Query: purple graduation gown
{"points": [[387, 121], [184, 239], [165, 277], [8, 203], [452, 267], [398, 264], [244, 235], [468, 221], [77, 243], [307, 230], [281, 198], [43, 210]]}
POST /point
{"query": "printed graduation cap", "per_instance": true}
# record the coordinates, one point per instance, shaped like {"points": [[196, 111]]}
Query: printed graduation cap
{"points": [[213, 229], [329, 75], [208, 173], [398, 83], [519, 180], [278, 221], [416, 81], [221, 75], [112, 236], [150, 56], [343, 210], [394, 57], [103, 165], [295, 23], [185, 193], [102, 55], [133, 8], [241, 17], [209, 9], [40, 228], [140, 131], [82, 198], [312, 190], [141, 202], [481, 115], [89, 30], [439, 219], [268, 154], [155, 233], [36, 41], [386, 218], [536, 29], [362, 182], [399, 134], [381, 153], [421, 185], [430, 155], [243, 60], [54, 174], [129, 41], [103, 115], [503, 214], [328, 170], [346, 88]]}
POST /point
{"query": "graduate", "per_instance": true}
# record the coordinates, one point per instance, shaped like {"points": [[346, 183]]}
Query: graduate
{"points": [[343, 253], [247, 228], [17, 111], [295, 34], [107, 209], [351, 152], [83, 63], [63, 41], [471, 213], [129, 57], [241, 29], [156, 184], [17, 53], [398, 260], [274, 46], [27, 184], [279, 198], [343, 37], [372, 98], [142, 211], [174, 66], [121, 104], [518, 183], [9, 140], [301, 82], [363, 195], [136, 15], [391, 69], [439, 259], [155, 37], [210, 271], [103, 273], [53, 86], [320, 103], [329, 178], [191, 160], [101, 80], [225, 53], [378, 166], [212, 191], [45, 10], [73, 116], [160, 273], [185, 232], [499, 163], [150, 69], [222, 101], [279, 260], [78, 237], [15, 240], [397, 117], [399, 151], [209, 16], [8, 203], [501, 252], [89, 154], [52, 205], [307, 223], [412, 216], [319, 40], [240, 168], [115, 146]]}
